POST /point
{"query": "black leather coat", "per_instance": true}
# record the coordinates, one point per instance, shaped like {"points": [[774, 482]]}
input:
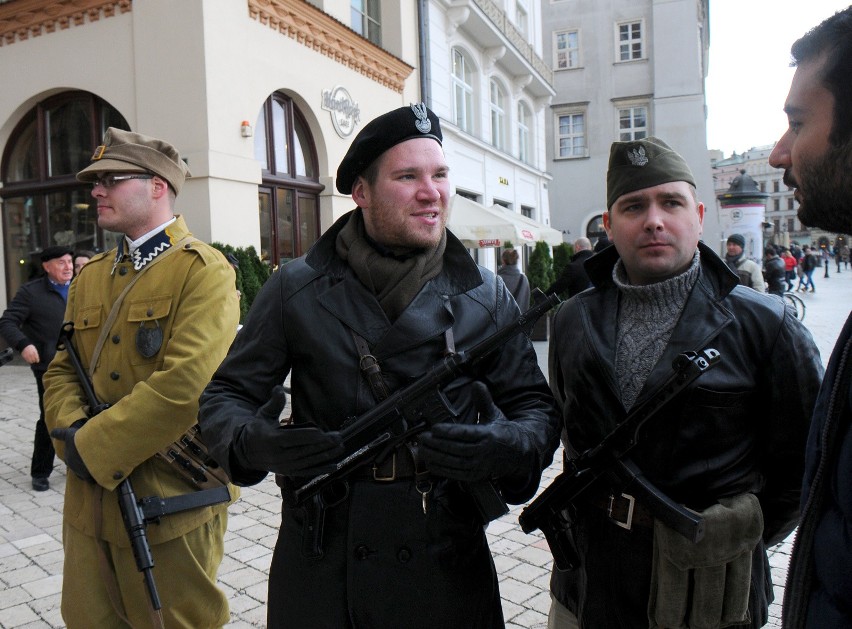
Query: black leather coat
{"points": [[385, 563], [741, 427]]}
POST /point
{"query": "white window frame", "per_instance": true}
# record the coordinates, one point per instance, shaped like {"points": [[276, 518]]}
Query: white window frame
{"points": [[497, 106], [628, 46], [462, 80], [522, 18], [633, 131], [526, 123], [566, 57], [576, 152], [366, 21]]}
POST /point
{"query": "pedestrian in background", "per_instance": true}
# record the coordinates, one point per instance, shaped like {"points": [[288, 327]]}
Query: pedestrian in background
{"points": [[386, 287], [774, 271], [816, 155], [808, 266], [515, 281], [81, 257], [152, 320], [31, 325], [574, 278], [747, 270], [731, 447], [790, 264]]}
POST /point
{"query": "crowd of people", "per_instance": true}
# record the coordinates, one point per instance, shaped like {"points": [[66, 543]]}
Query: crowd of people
{"points": [[753, 447]]}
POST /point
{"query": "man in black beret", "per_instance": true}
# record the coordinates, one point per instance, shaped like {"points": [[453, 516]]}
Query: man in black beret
{"points": [[31, 325], [388, 288], [731, 446], [747, 270]]}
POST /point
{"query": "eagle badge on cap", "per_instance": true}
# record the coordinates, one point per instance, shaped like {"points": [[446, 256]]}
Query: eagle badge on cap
{"points": [[423, 124], [637, 157]]}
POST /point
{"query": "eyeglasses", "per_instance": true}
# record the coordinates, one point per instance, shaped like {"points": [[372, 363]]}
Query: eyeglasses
{"points": [[109, 181]]}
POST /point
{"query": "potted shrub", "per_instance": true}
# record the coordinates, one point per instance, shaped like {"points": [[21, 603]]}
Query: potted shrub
{"points": [[540, 275]]}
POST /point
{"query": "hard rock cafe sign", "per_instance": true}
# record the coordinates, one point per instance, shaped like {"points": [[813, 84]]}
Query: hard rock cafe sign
{"points": [[345, 113]]}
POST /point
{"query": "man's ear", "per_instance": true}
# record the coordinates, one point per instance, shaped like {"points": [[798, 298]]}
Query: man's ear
{"points": [[361, 193], [160, 187]]}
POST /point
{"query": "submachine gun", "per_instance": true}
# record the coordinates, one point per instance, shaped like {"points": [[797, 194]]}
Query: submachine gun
{"points": [[553, 510], [6, 356], [413, 409], [188, 455]]}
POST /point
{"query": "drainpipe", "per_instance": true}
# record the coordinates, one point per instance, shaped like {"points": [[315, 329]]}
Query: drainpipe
{"points": [[423, 52]]}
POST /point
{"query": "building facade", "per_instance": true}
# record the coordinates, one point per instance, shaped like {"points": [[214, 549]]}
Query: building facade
{"points": [[487, 81], [623, 70], [262, 98]]}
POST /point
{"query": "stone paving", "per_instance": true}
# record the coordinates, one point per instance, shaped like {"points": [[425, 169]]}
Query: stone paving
{"points": [[31, 559]]}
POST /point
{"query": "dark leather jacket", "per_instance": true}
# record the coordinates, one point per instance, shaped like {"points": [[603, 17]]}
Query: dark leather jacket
{"points": [[741, 427], [379, 546]]}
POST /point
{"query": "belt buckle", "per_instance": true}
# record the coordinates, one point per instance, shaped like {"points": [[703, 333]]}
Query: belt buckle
{"points": [[631, 501], [385, 479]]}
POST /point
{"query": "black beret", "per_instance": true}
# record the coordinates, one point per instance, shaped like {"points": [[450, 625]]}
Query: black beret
{"points": [[737, 239], [57, 251], [640, 164], [382, 133]]}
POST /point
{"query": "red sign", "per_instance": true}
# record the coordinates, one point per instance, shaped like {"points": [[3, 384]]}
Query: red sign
{"points": [[494, 242], [527, 234]]}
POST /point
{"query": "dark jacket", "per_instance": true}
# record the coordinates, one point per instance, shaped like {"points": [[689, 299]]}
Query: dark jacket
{"points": [[573, 278], [34, 316], [740, 427], [517, 283], [385, 562], [774, 272], [819, 582]]}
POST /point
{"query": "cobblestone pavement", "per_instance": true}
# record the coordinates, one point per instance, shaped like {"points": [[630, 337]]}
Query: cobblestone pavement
{"points": [[31, 558]]}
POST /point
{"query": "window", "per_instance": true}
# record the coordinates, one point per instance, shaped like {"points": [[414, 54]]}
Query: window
{"points": [[632, 123], [776, 204], [595, 229], [366, 20], [288, 196], [791, 224], [462, 91], [43, 203], [630, 46], [776, 185], [763, 186], [789, 203], [498, 116], [524, 136], [521, 18], [571, 136], [567, 49]]}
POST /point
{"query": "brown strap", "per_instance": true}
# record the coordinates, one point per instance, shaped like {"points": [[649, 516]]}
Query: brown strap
{"points": [[370, 368]]}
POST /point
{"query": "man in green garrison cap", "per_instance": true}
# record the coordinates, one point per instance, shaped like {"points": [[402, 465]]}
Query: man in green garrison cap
{"points": [[385, 294], [730, 446]]}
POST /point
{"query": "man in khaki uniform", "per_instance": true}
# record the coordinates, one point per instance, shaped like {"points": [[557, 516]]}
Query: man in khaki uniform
{"points": [[160, 342]]}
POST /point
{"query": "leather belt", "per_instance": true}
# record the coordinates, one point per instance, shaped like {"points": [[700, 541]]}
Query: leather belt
{"points": [[623, 510], [398, 466]]}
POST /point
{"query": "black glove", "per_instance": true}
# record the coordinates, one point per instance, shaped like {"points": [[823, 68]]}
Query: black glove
{"points": [[72, 456], [290, 450], [493, 448]]}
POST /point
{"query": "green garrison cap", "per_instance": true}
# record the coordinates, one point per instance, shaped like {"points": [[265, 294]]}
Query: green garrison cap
{"points": [[643, 164]]}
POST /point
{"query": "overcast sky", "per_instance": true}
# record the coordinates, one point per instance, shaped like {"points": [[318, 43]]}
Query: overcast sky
{"points": [[749, 74]]}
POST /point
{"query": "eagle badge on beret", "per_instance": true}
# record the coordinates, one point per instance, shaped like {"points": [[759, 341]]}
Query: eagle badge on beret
{"points": [[423, 124], [637, 156]]}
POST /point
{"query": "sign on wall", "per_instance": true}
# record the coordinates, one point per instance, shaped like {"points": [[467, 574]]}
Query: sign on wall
{"points": [[345, 112]]}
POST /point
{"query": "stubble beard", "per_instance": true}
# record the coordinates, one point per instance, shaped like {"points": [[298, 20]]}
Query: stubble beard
{"points": [[826, 202]]}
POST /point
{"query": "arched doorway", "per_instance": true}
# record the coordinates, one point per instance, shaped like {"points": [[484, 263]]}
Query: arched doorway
{"points": [[595, 229], [289, 195], [43, 203]]}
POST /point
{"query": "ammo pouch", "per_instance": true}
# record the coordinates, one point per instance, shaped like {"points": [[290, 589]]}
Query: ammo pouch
{"points": [[706, 585]]}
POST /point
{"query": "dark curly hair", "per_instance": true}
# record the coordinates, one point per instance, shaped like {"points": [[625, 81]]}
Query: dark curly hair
{"points": [[833, 38]]}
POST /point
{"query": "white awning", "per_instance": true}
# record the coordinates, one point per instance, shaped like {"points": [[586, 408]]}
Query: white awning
{"points": [[479, 227]]}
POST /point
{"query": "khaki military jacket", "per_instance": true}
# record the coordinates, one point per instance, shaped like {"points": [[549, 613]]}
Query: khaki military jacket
{"points": [[190, 295]]}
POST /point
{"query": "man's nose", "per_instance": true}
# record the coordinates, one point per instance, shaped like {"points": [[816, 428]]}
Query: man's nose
{"points": [[780, 155]]}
